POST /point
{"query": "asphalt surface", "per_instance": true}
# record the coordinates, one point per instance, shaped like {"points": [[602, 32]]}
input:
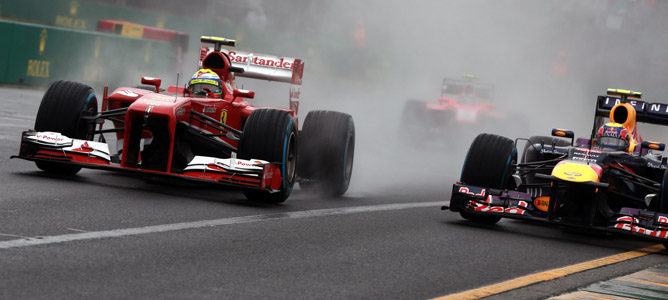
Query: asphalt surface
{"points": [[387, 238]]}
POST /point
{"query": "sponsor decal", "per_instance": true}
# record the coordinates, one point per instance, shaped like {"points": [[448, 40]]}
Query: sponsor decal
{"points": [[180, 112], [223, 116], [162, 98], [584, 159], [658, 109], [465, 190], [128, 93], [85, 148], [153, 103], [610, 102], [245, 164], [550, 150], [42, 41], [655, 165], [628, 223], [209, 110], [542, 203], [495, 209], [260, 61], [71, 21], [38, 68], [54, 138]]}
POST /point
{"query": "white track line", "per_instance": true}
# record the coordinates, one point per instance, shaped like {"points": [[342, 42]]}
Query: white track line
{"points": [[93, 235]]}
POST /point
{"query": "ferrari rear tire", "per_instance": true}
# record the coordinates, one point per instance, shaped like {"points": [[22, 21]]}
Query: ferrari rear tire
{"points": [[326, 152], [61, 110], [488, 164], [271, 135]]}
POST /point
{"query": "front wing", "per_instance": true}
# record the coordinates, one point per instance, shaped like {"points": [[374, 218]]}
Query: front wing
{"points": [[518, 205], [251, 174]]}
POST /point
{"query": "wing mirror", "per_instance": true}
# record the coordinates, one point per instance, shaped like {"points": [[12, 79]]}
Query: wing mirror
{"points": [[244, 93], [564, 134], [652, 145], [152, 81]]}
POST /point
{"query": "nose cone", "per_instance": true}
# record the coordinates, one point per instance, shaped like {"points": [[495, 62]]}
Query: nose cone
{"points": [[576, 171]]}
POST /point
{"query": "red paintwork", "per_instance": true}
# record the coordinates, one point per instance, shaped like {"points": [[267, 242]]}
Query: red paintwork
{"points": [[481, 108], [173, 106], [265, 182], [176, 107]]}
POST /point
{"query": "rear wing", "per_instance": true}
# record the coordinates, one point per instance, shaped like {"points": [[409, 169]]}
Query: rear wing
{"points": [[467, 87], [262, 66], [652, 113]]}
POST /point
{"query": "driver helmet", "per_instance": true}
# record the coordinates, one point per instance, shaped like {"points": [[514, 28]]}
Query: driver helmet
{"points": [[613, 136], [205, 81]]}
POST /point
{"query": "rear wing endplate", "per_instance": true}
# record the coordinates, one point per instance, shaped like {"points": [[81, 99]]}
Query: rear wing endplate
{"points": [[652, 113]]}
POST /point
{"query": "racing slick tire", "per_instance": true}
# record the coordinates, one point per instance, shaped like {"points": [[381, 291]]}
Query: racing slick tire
{"points": [[488, 164], [326, 151], [529, 154], [271, 135], [413, 121], [61, 110]]}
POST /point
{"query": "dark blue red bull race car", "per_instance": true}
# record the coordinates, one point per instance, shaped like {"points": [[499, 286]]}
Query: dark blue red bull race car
{"points": [[613, 181]]}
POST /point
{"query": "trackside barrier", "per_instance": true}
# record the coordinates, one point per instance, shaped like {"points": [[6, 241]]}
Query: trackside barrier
{"points": [[178, 39], [85, 15], [37, 55]]}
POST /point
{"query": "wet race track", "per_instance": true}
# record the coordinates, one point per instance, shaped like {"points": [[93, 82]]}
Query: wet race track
{"points": [[112, 235]]}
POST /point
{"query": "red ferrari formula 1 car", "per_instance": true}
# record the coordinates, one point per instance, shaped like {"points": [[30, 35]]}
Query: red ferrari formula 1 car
{"points": [[206, 132], [613, 181], [464, 105]]}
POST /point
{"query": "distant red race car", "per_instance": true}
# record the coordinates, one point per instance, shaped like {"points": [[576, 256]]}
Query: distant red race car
{"points": [[206, 132], [464, 104]]}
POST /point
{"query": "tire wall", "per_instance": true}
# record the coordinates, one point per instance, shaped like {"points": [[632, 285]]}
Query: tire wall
{"points": [[39, 54]]}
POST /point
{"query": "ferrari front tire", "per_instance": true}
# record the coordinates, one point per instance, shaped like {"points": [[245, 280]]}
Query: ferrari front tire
{"points": [[61, 110], [488, 164], [271, 135], [326, 152]]}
